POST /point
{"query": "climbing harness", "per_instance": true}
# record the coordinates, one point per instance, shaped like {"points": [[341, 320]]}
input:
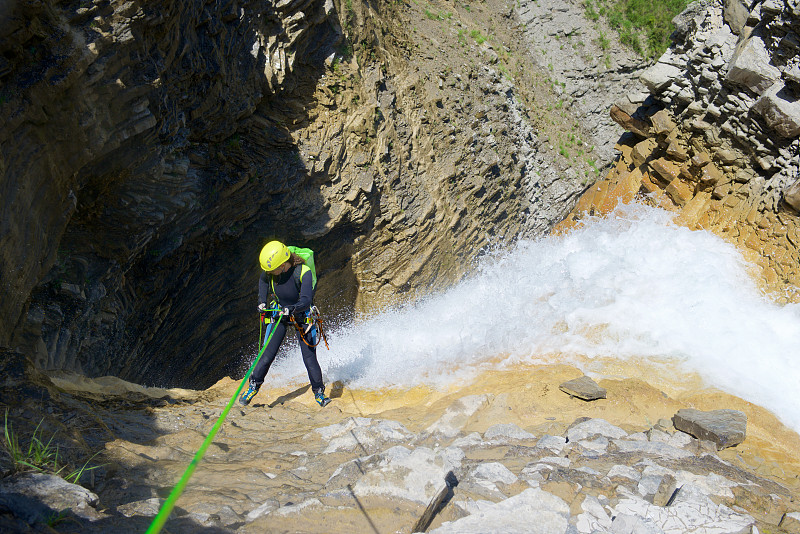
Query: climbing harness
{"points": [[312, 319], [169, 504]]}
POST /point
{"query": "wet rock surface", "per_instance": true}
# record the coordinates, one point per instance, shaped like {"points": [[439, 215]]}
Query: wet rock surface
{"points": [[377, 460]]}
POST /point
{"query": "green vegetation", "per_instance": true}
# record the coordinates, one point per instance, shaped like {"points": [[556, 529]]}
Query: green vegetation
{"points": [[477, 36], [441, 15], [642, 25], [39, 455]]}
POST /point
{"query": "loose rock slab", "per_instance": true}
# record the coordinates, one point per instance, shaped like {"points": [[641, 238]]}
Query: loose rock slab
{"points": [[726, 428], [584, 388]]}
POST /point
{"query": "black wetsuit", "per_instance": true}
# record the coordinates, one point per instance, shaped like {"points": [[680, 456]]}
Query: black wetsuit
{"points": [[298, 303]]}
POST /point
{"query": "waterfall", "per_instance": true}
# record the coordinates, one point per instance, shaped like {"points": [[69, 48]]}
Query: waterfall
{"points": [[630, 286]]}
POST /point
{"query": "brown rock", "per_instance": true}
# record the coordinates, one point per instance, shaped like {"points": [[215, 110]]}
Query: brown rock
{"points": [[665, 169], [678, 151], [665, 491], [791, 523], [662, 122], [679, 191], [711, 175], [792, 195], [701, 159], [639, 127], [760, 503], [726, 428], [584, 388], [643, 151], [686, 172]]}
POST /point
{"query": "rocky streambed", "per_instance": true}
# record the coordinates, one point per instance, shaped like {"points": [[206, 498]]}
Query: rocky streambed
{"points": [[508, 453]]}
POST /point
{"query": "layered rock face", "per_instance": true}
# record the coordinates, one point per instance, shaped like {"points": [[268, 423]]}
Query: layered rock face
{"points": [[718, 139], [151, 148]]}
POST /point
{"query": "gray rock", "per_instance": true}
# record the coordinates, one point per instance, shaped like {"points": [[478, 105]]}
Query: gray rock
{"points": [[584, 388], [736, 13], [689, 19], [594, 427], [507, 432], [554, 444], [651, 448], [792, 195], [659, 76], [726, 428], [750, 66], [533, 511], [780, 109], [52, 491]]}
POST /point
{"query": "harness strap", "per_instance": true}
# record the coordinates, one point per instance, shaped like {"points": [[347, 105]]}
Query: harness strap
{"points": [[312, 318]]}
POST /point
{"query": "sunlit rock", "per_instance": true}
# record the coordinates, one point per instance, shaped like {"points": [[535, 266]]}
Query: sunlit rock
{"points": [[531, 512], [584, 388], [726, 428], [594, 427]]}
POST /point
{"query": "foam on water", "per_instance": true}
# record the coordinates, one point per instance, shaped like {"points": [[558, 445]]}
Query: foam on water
{"points": [[633, 285]]}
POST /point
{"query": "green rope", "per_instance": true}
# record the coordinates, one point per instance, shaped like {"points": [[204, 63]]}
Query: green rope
{"points": [[166, 508]]}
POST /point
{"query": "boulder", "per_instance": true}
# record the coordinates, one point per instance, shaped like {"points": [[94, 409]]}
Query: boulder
{"points": [[659, 76], [726, 428], [679, 191], [662, 122], [594, 427], [780, 109], [30, 495], [637, 126], [665, 169], [750, 66], [584, 388], [735, 13], [792, 195]]}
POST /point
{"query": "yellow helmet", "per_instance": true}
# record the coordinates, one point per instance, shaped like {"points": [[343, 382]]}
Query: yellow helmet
{"points": [[273, 255]]}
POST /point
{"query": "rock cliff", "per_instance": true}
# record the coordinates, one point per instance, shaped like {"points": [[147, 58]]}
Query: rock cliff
{"points": [[718, 138], [151, 148]]}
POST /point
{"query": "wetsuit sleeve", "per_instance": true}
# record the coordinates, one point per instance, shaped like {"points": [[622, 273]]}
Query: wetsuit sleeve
{"points": [[263, 287], [306, 293]]}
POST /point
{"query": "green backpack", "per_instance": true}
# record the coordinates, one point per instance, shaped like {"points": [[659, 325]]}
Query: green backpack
{"points": [[308, 258]]}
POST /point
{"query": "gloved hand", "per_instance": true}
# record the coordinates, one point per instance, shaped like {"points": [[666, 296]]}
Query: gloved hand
{"points": [[262, 307], [285, 311]]}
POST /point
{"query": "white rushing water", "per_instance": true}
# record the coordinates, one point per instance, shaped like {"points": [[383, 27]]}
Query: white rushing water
{"points": [[633, 285]]}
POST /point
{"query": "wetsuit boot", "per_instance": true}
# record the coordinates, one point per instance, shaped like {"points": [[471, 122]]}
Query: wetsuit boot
{"points": [[319, 396], [248, 395]]}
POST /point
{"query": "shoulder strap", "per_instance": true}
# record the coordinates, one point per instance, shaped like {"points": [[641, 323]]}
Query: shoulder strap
{"points": [[298, 275]]}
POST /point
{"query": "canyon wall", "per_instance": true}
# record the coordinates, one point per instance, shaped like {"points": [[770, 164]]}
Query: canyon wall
{"points": [[149, 149]]}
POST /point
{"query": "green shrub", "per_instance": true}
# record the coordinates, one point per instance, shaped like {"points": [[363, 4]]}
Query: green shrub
{"points": [[642, 25], [39, 455]]}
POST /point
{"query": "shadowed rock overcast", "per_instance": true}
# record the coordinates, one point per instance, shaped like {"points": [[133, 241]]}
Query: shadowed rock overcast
{"points": [[448, 163]]}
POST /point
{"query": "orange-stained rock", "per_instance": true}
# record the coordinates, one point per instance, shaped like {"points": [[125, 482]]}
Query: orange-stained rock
{"points": [[694, 210], [624, 191], [701, 159], [643, 151], [665, 169], [678, 151], [649, 185], [711, 175], [662, 122], [625, 150], [687, 173], [679, 191], [636, 126]]}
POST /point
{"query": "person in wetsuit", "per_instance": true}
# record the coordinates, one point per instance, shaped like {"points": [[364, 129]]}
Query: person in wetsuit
{"points": [[287, 283]]}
